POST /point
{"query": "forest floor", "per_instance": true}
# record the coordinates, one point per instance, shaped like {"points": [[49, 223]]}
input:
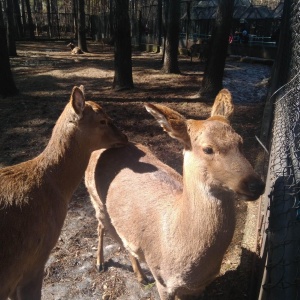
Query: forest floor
{"points": [[45, 73]]}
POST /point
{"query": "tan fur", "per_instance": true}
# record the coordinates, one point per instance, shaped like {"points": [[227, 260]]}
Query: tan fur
{"points": [[74, 49], [34, 195], [181, 226], [223, 104]]}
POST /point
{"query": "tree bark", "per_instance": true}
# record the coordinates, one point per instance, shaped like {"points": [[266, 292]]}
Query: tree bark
{"points": [[23, 17], [75, 14], [7, 84], [159, 22], [214, 70], [170, 64], [11, 35], [81, 27], [20, 29], [122, 56], [49, 28], [30, 21]]}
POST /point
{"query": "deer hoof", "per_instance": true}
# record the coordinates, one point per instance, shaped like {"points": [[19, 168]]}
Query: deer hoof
{"points": [[100, 268]]}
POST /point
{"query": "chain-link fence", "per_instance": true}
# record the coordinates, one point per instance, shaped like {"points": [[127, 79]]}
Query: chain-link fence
{"points": [[281, 245]]}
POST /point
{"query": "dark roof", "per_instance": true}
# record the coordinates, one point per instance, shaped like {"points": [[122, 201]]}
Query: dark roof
{"points": [[238, 11], [257, 12], [206, 13], [277, 12], [207, 9], [244, 3], [207, 3]]}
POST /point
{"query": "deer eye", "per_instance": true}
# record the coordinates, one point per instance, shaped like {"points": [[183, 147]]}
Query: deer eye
{"points": [[208, 150], [103, 122]]}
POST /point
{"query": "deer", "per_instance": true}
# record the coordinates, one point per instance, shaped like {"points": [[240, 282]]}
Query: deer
{"points": [[34, 194], [199, 49], [180, 225], [74, 49]]}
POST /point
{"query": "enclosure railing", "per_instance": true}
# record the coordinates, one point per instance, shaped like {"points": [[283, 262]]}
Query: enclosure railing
{"points": [[281, 242]]}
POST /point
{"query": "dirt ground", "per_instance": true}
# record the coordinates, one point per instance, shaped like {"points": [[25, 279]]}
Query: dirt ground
{"points": [[45, 73]]}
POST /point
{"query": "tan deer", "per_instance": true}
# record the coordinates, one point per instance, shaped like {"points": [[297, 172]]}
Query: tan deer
{"points": [[34, 195], [179, 225], [74, 49]]}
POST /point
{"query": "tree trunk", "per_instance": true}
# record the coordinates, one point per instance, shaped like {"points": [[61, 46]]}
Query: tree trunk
{"points": [[20, 32], [159, 22], [7, 84], [188, 21], [170, 64], [23, 17], [122, 61], [81, 27], [11, 36], [214, 70], [30, 21], [75, 14]]}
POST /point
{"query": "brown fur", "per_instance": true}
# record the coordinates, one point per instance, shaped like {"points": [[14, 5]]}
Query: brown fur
{"points": [[34, 195], [74, 49], [200, 50], [181, 226]]}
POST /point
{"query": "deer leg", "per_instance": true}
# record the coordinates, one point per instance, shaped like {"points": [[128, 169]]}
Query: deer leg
{"points": [[100, 256], [141, 277], [163, 292], [32, 290]]}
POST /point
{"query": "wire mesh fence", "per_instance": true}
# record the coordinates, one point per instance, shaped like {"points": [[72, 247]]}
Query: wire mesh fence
{"points": [[282, 227]]}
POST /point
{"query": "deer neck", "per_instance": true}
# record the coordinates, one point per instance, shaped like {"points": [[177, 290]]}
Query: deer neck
{"points": [[65, 159], [203, 205]]}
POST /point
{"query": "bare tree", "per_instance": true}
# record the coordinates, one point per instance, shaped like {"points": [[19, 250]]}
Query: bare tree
{"points": [[121, 32], [30, 21], [7, 84], [170, 60], [159, 22], [11, 35], [17, 13], [81, 26], [75, 18], [214, 70], [49, 28]]}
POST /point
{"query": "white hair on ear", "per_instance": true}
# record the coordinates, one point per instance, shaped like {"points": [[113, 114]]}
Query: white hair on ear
{"points": [[82, 89]]}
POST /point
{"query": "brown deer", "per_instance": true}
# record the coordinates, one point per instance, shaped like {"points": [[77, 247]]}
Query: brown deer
{"points": [[200, 50], [74, 49], [34, 195], [179, 225]]}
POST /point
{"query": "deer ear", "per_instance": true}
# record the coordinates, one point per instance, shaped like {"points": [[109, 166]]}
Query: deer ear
{"points": [[77, 100], [171, 121], [223, 105], [82, 89]]}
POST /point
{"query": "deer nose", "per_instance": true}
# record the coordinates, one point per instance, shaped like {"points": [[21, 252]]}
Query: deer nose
{"points": [[256, 187]]}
